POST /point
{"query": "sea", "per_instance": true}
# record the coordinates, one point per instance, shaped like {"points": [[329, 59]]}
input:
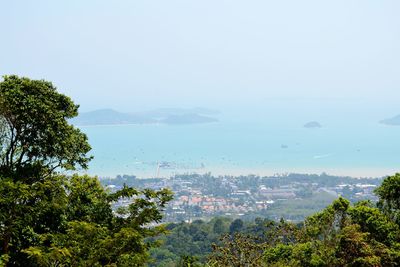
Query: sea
{"points": [[263, 141]]}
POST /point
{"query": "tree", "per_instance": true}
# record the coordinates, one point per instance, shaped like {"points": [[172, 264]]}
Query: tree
{"points": [[389, 197], [36, 139], [50, 219], [354, 248], [93, 236], [236, 226], [339, 235], [371, 220], [238, 250], [188, 261], [218, 227], [35, 135]]}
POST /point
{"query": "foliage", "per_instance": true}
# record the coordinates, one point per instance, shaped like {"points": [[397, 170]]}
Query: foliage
{"points": [[236, 226], [48, 218], [94, 236], [76, 226], [389, 197], [238, 250], [340, 235], [185, 240], [35, 133], [198, 238]]}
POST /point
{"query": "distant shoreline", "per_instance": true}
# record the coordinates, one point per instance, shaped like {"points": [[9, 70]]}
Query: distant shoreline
{"points": [[116, 124], [150, 123], [352, 173], [164, 116]]}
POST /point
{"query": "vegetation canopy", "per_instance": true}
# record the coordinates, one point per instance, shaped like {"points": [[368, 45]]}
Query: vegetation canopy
{"points": [[34, 129], [48, 218]]}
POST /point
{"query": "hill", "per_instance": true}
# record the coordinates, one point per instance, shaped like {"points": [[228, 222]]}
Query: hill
{"points": [[163, 116], [312, 124], [392, 121]]}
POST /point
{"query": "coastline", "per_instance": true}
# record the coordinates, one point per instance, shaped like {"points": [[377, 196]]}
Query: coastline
{"points": [[141, 124], [355, 173]]}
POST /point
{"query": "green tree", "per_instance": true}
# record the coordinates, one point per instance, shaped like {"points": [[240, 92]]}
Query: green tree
{"points": [[93, 236], [238, 250], [219, 227], [188, 261], [339, 235], [354, 248], [236, 226], [50, 219], [380, 227], [36, 137], [389, 197]]}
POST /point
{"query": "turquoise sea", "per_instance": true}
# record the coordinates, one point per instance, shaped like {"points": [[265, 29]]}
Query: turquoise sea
{"points": [[347, 144]]}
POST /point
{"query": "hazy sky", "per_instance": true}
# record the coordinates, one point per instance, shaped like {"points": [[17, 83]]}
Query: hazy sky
{"points": [[135, 55]]}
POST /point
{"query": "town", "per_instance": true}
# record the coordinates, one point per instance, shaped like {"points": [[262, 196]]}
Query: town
{"points": [[288, 196]]}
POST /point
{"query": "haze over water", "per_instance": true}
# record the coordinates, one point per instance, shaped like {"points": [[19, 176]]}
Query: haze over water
{"points": [[268, 142], [268, 66]]}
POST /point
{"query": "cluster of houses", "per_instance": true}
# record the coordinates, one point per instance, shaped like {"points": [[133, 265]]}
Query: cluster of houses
{"points": [[194, 199]]}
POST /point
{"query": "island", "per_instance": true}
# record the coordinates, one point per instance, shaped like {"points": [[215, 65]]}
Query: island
{"points": [[312, 125], [394, 121], [170, 116]]}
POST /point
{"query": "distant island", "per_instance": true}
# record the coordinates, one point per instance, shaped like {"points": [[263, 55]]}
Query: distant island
{"points": [[172, 116], [392, 121], [312, 125]]}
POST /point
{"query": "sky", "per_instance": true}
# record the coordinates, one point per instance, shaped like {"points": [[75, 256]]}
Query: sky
{"points": [[224, 54]]}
